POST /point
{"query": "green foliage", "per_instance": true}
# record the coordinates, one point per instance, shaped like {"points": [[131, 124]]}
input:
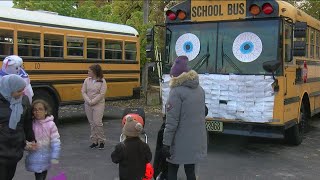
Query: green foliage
{"points": [[311, 7], [62, 7]]}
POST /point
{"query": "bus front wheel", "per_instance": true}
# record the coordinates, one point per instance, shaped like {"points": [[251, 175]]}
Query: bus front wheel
{"points": [[45, 96], [294, 135]]}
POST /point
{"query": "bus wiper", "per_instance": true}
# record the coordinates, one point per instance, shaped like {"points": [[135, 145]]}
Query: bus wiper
{"points": [[202, 60], [228, 59]]}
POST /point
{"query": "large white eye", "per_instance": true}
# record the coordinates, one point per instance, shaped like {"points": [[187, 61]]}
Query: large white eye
{"points": [[188, 45], [247, 47]]}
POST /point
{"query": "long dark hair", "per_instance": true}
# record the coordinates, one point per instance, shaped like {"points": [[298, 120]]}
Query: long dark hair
{"points": [[97, 70]]}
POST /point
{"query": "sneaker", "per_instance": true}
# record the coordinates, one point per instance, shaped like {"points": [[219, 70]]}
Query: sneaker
{"points": [[101, 146], [93, 145]]}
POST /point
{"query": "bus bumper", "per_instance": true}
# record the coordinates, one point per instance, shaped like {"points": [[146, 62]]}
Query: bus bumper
{"points": [[251, 129]]}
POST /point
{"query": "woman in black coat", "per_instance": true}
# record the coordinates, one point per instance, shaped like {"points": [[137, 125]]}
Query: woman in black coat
{"points": [[15, 124]]}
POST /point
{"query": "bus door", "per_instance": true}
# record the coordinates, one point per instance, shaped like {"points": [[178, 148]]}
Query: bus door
{"points": [[290, 90]]}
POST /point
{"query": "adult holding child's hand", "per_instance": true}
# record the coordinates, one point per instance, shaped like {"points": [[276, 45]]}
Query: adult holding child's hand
{"points": [[15, 124]]}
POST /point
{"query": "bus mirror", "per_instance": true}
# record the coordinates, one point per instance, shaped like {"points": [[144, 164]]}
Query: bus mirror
{"points": [[150, 43], [271, 66], [299, 48], [300, 29]]}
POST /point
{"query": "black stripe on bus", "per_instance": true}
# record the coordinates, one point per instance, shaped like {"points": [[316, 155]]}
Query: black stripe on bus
{"points": [[77, 81], [32, 59], [309, 80], [65, 27], [316, 111], [291, 100], [315, 94], [314, 63], [32, 72]]}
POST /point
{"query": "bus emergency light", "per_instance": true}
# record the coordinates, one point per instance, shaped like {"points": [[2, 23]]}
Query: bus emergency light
{"points": [[171, 15], [267, 8], [254, 9], [181, 14]]}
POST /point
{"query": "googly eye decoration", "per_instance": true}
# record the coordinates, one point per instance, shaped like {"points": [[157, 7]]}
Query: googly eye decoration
{"points": [[188, 45], [247, 47]]}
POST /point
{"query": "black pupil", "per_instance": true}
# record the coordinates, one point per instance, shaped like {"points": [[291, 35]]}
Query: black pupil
{"points": [[246, 47], [187, 46]]}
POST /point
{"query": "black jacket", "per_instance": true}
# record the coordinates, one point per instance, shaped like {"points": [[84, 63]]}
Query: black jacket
{"points": [[12, 142], [132, 155]]}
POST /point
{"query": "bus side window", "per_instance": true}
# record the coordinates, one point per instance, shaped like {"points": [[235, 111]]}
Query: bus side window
{"points": [[312, 42], [75, 46], [317, 45], [94, 48], [28, 44], [130, 51], [6, 42], [288, 42], [113, 50], [53, 45]]}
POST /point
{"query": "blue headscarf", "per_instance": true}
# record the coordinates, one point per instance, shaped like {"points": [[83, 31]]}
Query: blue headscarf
{"points": [[9, 84]]}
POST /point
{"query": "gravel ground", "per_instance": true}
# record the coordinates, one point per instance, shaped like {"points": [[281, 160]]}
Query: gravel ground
{"points": [[113, 109]]}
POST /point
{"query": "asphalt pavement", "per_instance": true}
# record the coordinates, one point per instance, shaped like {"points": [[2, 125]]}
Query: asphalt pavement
{"points": [[229, 157]]}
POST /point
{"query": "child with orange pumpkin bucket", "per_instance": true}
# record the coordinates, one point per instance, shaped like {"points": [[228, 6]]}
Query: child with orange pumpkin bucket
{"points": [[132, 153]]}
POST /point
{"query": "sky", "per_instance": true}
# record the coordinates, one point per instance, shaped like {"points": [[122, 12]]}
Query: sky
{"points": [[6, 3]]}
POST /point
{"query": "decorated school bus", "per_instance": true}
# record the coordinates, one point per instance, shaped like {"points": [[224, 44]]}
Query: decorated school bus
{"points": [[57, 51], [258, 62]]}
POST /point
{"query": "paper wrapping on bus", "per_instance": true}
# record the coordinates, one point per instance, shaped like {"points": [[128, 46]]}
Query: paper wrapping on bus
{"points": [[248, 98]]}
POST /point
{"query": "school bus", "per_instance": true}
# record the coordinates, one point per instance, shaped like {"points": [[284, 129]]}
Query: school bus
{"points": [[57, 51], [258, 62]]}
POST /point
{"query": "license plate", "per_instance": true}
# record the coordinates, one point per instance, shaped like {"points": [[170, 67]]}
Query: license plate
{"points": [[214, 126]]}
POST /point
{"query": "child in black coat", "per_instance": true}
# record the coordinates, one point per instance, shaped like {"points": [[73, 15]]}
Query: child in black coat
{"points": [[132, 154]]}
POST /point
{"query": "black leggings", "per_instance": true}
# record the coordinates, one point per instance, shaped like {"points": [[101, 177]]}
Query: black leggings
{"points": [[7, 171], [188, 169], [41, 176]]}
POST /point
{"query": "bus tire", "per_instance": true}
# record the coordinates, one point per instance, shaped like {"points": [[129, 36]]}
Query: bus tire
{"points": [[294, 135], [45, 96]]}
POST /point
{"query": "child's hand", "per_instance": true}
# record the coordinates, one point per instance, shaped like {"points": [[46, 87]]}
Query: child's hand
{"points": [[31, 146], [54, 161]]}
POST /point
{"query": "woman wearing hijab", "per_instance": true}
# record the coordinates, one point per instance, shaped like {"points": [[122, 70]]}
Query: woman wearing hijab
{"points": [[15, 124]]}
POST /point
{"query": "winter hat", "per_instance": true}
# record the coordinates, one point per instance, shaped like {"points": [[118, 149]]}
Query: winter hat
{"points": [[180, 65], [132, 128]]}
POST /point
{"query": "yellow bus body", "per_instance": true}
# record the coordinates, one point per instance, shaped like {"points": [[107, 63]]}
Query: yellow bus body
{"points": [[293, 93], [61, 77]]}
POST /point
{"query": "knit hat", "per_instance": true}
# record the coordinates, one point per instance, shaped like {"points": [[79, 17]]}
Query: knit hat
{"points": [[132, 128], [180, 65]]}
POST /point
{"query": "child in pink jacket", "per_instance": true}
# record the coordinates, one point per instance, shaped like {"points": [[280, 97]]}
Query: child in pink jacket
{"points": [[48, 141]]}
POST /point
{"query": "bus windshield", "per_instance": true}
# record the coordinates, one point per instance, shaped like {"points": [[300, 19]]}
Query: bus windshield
{"points": [[237, 47]]}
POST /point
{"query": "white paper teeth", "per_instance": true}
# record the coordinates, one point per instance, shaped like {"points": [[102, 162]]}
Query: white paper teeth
{"points": [[249, 98]]}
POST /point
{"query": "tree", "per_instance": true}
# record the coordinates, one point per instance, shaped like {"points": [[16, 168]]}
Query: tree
{"points": [[311, 7], [128, 12]]}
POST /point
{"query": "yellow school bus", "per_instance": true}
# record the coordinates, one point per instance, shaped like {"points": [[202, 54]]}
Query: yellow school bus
{"points": [[258, 62], [57, 51]]}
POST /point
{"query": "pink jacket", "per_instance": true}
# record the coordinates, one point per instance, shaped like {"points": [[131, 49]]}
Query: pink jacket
{"points": [[93, 92], [48, 142]]}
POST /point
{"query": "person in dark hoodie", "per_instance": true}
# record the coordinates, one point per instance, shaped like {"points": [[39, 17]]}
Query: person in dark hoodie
{"points": [[132, 154], [15, 124], [185, 135]]}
